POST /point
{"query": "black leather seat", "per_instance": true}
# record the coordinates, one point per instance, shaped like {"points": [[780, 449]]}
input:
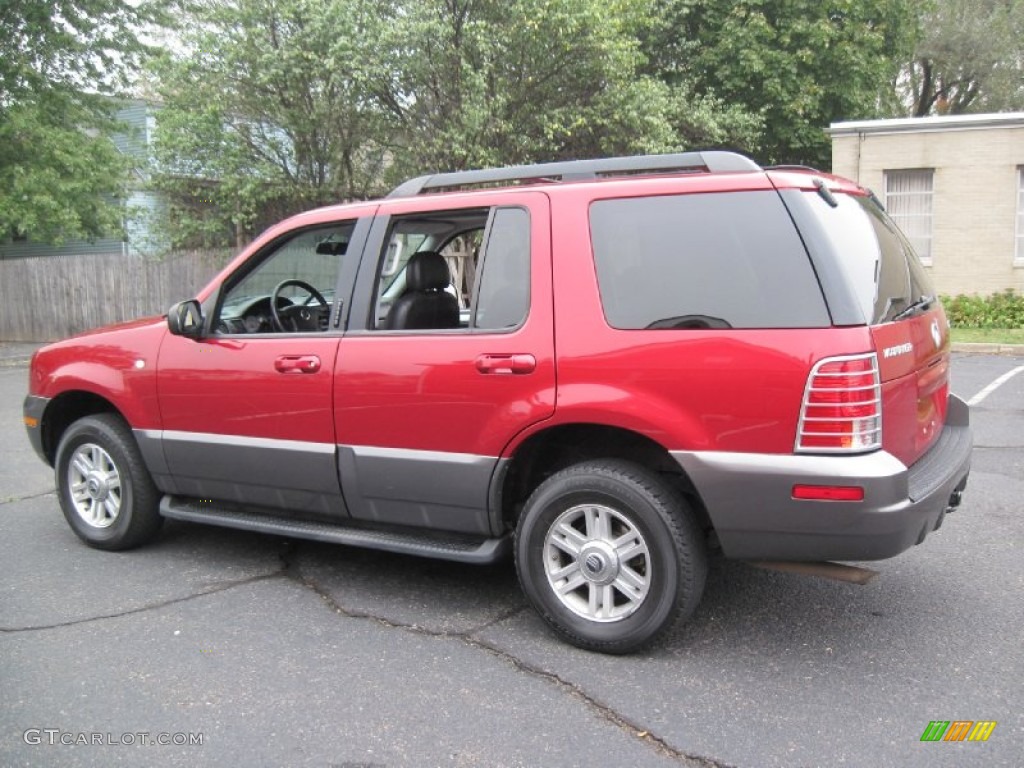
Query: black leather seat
{"points": [[425, 304]]}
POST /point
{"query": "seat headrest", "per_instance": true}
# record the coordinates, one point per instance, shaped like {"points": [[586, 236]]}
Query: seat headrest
{"points": [[427, 271]]}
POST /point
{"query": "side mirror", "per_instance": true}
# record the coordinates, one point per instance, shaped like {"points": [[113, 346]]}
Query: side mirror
{"points": [[186, 319]]}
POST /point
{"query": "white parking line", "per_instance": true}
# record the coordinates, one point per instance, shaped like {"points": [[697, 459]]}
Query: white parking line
{"points": [[995, 385]]}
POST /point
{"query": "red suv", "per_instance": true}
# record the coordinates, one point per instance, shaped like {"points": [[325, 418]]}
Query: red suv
{"points": [[608, 367]]}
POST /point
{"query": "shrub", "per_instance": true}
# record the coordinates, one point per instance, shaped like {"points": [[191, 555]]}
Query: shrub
{"points": [[1000, 310]]}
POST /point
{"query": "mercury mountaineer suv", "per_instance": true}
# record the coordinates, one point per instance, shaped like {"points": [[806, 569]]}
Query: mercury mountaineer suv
{"points": [[607, 368]]}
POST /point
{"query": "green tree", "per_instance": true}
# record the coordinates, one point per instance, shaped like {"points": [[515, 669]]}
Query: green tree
{"points": [[969, 58], [60, 62], [799, 64], [274, 106], [486, 82], [267, 112]]}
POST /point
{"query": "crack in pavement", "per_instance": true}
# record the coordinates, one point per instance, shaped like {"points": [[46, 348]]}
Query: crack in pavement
{"points": [[152, 606], [291, 570], [503, 616], [14, 499], [605, 711], [282, 571]]}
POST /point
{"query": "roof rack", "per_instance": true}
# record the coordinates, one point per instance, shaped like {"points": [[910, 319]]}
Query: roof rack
{"points": [[581, 170]]}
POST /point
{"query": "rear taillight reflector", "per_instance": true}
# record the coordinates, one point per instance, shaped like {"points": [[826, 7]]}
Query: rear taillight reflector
{"points": [[842, 407], [828, 492]]}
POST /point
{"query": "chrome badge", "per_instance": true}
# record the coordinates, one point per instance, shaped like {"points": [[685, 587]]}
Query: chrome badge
{"points": [[899, 349], [936, 334]]}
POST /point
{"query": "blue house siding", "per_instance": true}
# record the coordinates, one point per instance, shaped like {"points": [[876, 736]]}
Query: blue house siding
{"points": [[135, 139], [71, 248], [144, 207]]}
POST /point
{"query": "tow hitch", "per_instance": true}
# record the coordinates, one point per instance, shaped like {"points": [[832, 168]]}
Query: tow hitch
{"points": [[956, 496]]}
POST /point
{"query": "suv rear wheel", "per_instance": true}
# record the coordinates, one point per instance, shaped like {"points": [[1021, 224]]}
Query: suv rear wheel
{"points": [[105, 491], [610, 555]]}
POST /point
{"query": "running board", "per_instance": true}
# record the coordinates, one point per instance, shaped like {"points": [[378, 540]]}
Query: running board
{"points": [[452, 546]]}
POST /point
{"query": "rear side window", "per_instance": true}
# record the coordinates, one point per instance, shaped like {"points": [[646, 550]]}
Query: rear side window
{"points": [[885, 273], [722, 260]]}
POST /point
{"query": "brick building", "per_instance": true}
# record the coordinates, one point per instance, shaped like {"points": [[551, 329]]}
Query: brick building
{"points": [[954, 184]]}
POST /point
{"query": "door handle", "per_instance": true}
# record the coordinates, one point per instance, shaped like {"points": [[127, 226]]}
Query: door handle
{"points": [[517, 363], [297, 364]]}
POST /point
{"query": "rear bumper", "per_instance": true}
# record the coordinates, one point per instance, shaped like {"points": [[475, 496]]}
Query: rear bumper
{"points": [[749, 498]]}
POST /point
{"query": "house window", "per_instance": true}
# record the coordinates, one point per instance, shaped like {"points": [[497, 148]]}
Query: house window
{"points": [[908, 199], [1018, 255]]}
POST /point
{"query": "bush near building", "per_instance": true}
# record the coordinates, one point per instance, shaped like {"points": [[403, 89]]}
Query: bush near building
{"points": [[1000, 310]]}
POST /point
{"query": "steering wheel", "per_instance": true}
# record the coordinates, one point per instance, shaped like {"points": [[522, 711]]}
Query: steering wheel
{"points": [[298, 317]]}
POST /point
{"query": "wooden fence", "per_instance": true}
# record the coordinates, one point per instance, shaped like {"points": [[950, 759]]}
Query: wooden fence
{"points": [[43, 298]]}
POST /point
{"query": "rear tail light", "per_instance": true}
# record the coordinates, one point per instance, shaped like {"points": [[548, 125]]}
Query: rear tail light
{"points": [[842, 407]]}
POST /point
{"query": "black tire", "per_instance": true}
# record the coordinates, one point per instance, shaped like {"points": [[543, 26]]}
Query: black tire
{"points": [[637, 507], [108, 496]]}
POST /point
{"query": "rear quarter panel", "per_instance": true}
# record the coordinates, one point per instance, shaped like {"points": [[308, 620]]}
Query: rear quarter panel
{"points": [[712, 390]]}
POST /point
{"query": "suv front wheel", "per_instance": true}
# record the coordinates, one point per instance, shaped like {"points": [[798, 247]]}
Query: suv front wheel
{"points": [[610, 555], [105, 491]]}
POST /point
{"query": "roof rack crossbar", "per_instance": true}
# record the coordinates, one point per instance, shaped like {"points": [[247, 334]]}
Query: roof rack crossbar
{"points": [[580, 170]]}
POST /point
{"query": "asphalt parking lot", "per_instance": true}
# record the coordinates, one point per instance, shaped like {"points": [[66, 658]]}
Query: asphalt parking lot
{"points": [[277, 653]]}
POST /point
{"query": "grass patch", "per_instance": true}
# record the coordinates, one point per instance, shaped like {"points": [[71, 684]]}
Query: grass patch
{"points": [[988, 335], [995, 319]]}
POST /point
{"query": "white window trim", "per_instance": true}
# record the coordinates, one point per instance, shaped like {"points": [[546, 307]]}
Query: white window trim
{"points": [[925, 260], [1018, 234]]}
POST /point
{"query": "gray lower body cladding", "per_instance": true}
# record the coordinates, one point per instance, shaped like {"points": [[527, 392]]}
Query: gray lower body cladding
{"points": [[33, 409], [749, 498]]}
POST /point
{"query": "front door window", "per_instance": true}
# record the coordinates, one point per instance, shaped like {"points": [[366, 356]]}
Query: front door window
{"points": [[291, 290]]}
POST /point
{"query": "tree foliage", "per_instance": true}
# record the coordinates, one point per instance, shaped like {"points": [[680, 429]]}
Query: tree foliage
{"points": [[277, 105], [273, 106], [799, 64], [969, 58], [485, 82], [59, 64], [269, 101], [56, 180]]}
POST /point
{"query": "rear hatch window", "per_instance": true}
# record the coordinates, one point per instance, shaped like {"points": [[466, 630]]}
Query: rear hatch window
{"points": [[879, 261], [907, 323]]}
